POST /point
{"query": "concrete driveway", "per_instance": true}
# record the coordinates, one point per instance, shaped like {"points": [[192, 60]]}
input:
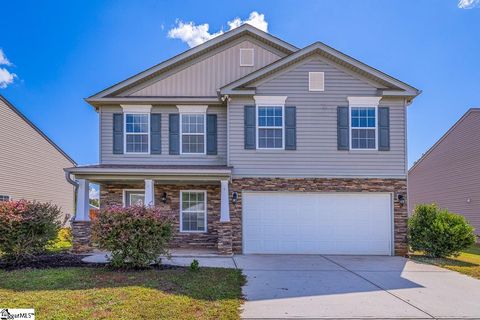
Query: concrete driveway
{"points": [[354, 287]]}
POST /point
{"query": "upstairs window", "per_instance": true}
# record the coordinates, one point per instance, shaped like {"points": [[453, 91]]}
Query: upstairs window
{"points": [[137, 132], [363, 126], [270, 127], [246, 57], [4, 198], [193, 133]]}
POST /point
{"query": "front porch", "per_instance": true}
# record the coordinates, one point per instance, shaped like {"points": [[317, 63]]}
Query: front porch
{"points": [[195, 198]]}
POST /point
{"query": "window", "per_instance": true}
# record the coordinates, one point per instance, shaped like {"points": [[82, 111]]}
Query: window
{"points": [[316, 81], [133, 198], [363, 124], [193, 133], [193, 212], [137, 128], [4, 198], [270, 127], [246, 57]]}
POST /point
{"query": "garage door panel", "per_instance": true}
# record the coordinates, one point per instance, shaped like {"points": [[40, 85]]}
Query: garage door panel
{"points": [[328, 223]]}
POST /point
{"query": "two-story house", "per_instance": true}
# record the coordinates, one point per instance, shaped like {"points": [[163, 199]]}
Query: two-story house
{"points": [[253, 145]]}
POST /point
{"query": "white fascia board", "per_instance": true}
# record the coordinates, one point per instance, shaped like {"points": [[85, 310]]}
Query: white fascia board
{"points": [[270, 100], [136, 108], [363, 101]]}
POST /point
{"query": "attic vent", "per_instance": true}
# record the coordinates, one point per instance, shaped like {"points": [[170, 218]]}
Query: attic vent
{"points": [[246, 57], [316, 81]]}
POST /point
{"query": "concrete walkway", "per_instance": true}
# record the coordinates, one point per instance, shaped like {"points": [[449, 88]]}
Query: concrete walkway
{"points": [[346, 287]]}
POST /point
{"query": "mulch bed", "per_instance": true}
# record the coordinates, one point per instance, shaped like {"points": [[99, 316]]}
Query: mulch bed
{"points": [[64, 260]]}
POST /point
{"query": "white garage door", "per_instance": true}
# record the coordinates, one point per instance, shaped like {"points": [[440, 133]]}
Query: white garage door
{"points": [[323, 223]]}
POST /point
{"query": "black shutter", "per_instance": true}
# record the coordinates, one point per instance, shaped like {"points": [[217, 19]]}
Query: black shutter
{"points": [[211, 134], [155, 133], [290, 128], [249, 124], [383, 129], [174, 133], [118, 133], [343, 142]]}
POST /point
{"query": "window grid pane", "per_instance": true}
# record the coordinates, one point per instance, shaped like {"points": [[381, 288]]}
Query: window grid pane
{"points": [[193, 133], [363, 123], [136, 123], [137, 143], [270, 127], [193, 211]]}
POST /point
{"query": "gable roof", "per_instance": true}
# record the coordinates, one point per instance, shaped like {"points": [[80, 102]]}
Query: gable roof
{"points": [[396, 87], [192, 53], [426, 154], [34, 127]]}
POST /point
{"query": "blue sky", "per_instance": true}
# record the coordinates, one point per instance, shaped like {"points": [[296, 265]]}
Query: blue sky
{"points": [[64, 51]]}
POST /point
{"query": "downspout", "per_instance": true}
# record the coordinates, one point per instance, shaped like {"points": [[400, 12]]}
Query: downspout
{"points": [[75, 185]]}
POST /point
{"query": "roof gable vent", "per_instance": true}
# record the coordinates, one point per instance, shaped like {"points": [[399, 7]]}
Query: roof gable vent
{"points": [[316, 81], [246, 57]]}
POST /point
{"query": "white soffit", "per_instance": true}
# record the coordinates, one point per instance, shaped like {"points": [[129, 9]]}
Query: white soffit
{"points": [[192, 108], [140, 108], [270, 100], [364, 101]]}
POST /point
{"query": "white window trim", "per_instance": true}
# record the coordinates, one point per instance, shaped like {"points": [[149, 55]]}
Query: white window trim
{"points": [[194, 134], [181, 211], [124, 195], [310, 81], [270, 127], [351, 128], [135, 133], [6, 195]]}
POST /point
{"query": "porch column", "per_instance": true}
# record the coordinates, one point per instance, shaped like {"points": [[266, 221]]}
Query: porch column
{"points": [[224, 205], [81, 231], [83, 206], [149, 193]]}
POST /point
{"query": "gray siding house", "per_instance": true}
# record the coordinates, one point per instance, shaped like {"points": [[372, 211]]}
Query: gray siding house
{"points": [[253, 145], [31, 165], [449, 172]]}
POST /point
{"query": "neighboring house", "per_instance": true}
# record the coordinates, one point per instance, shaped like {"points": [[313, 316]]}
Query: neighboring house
{"points": [[449, 173], [31, 165], [252, 145]]}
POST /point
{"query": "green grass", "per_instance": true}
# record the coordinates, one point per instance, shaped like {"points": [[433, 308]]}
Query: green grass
{"points": [[468, 262], [88, 293]]}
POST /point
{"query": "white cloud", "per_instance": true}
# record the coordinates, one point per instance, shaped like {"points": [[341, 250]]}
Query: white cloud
{"points": [[6, 78], [194, 34], [468, 4], [3, 59], [93, 193]]}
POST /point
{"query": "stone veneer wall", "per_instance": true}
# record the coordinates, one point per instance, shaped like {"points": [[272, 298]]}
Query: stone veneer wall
{"points": [[112, 194], [396, 186]]}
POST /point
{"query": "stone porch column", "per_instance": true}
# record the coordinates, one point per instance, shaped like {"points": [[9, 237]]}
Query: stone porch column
{"points": [[81, 230], [149, 193]]}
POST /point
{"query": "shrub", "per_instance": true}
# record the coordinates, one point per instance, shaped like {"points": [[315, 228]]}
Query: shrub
{"points": [[26, 227], [136, 236], [438, 232], [63, 241], [195, 265]]}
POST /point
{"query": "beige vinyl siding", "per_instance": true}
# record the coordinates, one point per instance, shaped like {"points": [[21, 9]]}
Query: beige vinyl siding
{"points": [[106, 139], [30, 167], [317, 154], [450, 173], [205, 76]]}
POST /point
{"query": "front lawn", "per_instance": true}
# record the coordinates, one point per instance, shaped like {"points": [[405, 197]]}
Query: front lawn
{"points": [[468, 262], [97, 293]]}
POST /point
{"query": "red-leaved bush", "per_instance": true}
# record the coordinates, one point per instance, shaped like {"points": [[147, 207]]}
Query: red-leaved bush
{"points": [[136, 236], [26, 228]]}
